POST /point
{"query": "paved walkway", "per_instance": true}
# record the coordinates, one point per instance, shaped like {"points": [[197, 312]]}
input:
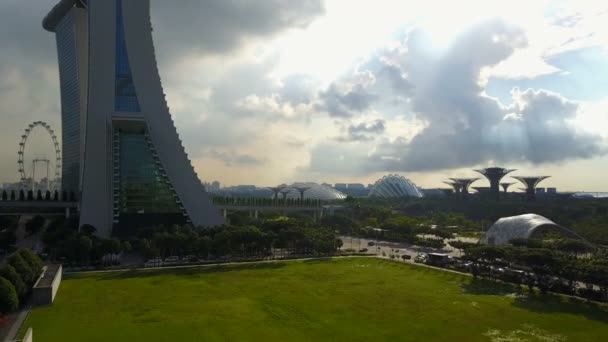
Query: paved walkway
{"points": [[220, 264], [16, 320]]}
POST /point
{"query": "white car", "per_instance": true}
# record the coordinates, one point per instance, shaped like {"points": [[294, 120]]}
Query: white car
{"points": [[172, 259]]}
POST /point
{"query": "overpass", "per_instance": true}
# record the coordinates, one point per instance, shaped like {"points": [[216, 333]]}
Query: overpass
{"points": [[67, 208], [42, 208], [253, 210]]}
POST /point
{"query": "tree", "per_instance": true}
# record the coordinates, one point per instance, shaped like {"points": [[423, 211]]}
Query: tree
{"points": [[528, 243], [462, 246], [573, 246], [88, 229], [7, 271], [9, 301], [126, 246], [23, 268], [8, 226], [485, 252], [7, 238], [83, 246], [32, 259], [35, 225], [570, 270]]}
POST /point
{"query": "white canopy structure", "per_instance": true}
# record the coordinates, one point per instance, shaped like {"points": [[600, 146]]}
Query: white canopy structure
{"points": [[522, 226]]}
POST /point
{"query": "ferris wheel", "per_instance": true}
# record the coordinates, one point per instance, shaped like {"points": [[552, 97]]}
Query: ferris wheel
{"points": [[21, 152]]}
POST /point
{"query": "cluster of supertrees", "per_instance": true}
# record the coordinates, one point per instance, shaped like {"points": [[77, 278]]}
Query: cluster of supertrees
{"points": [[494, 176]]}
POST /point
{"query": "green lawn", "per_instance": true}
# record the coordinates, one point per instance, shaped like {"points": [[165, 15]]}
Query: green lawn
{"points": [[354, 299]]}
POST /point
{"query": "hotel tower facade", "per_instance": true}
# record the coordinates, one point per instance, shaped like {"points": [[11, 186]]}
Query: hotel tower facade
{"points": [[122, 153]]}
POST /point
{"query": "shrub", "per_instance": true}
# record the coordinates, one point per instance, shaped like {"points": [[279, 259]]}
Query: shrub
{"points": [[22, 267], [32, 260], [9, 273], [9, 301]]}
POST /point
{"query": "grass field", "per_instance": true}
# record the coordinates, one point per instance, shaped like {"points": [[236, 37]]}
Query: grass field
{"points": [[356, 299]]}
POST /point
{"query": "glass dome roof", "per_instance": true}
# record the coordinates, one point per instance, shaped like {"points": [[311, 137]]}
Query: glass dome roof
{"points": [[314, 191], [394, 186]]}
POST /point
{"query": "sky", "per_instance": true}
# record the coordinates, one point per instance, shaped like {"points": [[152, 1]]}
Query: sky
{"points": [[277, 91]]}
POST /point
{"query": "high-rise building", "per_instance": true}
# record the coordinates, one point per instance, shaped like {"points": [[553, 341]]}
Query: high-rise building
{"points": [[122, 152]]}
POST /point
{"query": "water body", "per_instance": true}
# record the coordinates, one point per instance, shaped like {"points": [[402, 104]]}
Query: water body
{"points": [[590, 195]]}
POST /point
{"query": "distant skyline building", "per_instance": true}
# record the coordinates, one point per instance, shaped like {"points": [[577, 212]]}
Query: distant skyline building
{"points": [[494, 176], [530, 182], [121, 149]]}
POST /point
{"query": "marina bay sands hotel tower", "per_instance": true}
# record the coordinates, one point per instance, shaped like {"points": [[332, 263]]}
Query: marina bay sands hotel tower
{"points": [[122, 153]]}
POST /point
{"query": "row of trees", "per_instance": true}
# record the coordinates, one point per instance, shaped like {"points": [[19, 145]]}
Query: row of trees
{"points": [[253, 201], [17, 277], [64, 240], [282, 236], [278, 236], [39, 195], [560, 266]]}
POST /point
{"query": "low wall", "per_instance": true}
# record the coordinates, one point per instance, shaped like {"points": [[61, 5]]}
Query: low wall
{"points": [[28, 336], [46, 287]]}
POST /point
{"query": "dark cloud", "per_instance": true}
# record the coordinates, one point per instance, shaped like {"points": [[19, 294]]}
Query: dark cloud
{"points": [[395, 78], [29, 87], [219, 26], [464, 127], [345, 103], [232, 158], [364, 131]]}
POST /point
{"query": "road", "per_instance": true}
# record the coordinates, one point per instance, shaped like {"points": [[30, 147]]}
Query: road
{"points": [[395, 248]]}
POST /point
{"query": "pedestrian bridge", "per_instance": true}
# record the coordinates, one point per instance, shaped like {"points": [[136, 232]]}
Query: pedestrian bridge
{"points": [[253, 210], [43, 208]]}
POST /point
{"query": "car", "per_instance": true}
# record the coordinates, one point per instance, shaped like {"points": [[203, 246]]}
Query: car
{"points": [[189, 258], [406, 257], [172, 259], [420, 258], [371, 243], [363, 250]]}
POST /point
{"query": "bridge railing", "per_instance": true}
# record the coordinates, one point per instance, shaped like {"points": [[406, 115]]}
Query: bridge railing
{"points": [[29, 195], [265, 202]]}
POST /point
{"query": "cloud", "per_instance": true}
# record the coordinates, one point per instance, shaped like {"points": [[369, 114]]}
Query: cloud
{"points": [[231, 158], [218, 27], [364, 131], [346, 98], [203, 99], [463, 126]]}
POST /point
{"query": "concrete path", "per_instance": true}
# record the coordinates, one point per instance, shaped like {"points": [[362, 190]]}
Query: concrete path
{"points": [[17, 319]]}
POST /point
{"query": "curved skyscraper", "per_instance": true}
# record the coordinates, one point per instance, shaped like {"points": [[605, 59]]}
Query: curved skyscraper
{"points": [[124, 155]]}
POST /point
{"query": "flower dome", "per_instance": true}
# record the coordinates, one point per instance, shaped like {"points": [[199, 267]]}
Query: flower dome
{"points": [[394, 186], [314, 191]]}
